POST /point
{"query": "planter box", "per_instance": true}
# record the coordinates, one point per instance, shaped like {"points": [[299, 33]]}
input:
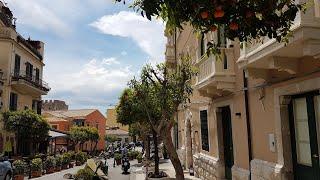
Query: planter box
{"points": [[57, 169], [18, 177], [35, 174], [50, 170]]}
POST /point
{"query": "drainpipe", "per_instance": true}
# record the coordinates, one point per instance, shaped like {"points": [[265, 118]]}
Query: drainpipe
{"points": [[245, 88]]}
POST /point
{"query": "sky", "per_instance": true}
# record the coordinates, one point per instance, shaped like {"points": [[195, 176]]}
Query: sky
{"points": [[92, 47]]}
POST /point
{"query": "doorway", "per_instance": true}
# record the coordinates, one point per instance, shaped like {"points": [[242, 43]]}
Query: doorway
{"points": [[227, 141], [303, 114]]}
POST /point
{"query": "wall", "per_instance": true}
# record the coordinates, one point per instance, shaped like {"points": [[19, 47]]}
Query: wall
{"points": [[112, 120], [96, 119]]}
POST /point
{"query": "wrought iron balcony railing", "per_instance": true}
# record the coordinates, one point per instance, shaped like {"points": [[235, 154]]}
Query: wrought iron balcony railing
{"points": [[31, 79]]}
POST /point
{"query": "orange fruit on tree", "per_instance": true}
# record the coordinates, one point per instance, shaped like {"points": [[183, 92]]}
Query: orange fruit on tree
{"points": [[218, 13], [213, 28], [234, 26], [205, 14]]}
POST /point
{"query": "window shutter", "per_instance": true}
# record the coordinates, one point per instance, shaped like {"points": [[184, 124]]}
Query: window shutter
{"points": [[204, 130]]}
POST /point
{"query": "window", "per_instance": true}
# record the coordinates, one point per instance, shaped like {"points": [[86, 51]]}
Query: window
{"points": [[29, 70], [37, 75], [202, 46], [204, 130], [13, 102], [17, 65]]}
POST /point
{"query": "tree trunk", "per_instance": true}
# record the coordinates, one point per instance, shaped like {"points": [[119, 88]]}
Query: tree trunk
{"points": [[156, 154], [166, 136], [147, 147]]}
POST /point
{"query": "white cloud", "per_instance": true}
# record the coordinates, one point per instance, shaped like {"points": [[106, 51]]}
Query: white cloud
{"points": [[35, 14], [98, 83], [149, 35]]}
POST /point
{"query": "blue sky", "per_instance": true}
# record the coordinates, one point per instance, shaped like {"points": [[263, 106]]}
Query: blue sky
{"points": [[92, 47]]}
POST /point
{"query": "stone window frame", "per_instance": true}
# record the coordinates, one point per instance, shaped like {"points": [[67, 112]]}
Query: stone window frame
{"points": [[282, 130], [205, 108]]}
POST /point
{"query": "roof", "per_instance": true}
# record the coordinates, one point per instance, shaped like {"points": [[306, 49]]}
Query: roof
{"points": [[118, 132], [55, 119], [76, 113], [55, 134]]}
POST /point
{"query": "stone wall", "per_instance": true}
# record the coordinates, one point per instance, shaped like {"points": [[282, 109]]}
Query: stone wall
{"points": [[54, 105], [239, 173], [266, 170], [207, 167]]}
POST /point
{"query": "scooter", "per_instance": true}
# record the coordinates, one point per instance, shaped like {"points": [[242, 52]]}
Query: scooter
{"points": [[125, 165]]}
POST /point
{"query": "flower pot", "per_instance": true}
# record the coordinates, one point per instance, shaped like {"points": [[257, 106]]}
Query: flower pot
{"points": [[78, 163], [57, 169], [139, 160], [71, 165], [50, 170], [18, 177], [118, 161], [35, 174], [130, 158], [65, 166]]}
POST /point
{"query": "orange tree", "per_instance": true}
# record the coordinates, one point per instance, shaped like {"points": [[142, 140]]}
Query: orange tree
{"points": [[241, 19]]}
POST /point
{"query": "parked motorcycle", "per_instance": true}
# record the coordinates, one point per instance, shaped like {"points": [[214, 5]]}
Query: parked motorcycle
{"points": [[125, 165]]}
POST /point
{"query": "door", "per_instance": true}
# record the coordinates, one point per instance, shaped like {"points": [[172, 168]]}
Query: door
{"points": [[304, 142], [227, 141]]}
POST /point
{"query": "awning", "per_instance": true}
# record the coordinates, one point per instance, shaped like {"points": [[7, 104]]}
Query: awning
{"points": [[55, 134]]}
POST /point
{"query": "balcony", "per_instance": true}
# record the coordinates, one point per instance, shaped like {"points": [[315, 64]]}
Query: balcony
{"points": [[260, 56], [216, 77], [26, 84]]}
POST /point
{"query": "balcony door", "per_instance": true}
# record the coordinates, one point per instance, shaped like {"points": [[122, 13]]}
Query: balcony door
{"points": [[227, 141], [303, 125], [17, 65]]}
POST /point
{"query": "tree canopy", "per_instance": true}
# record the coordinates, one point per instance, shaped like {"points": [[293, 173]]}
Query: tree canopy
{"points": [[26, 124], [82, 134], [241, 19]]}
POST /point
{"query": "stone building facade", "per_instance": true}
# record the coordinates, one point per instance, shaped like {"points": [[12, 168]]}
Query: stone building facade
{"points": [[21, 73], [54, 105], [255, 111]]}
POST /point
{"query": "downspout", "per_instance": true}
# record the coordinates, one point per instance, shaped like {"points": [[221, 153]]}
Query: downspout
{"points": [[245, 88], [175, 58]]}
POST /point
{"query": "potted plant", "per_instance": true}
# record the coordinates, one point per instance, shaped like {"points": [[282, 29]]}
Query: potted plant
{"points": [[130, 155], [139, 158], [36, 167], [50, 164], [19, 168], [58, 163], [72, 159], [65, 160], [117, 157], [85, 173], [80, 158]]}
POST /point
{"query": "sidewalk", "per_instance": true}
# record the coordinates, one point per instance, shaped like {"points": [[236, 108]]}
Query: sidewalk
{"points": [[166, 166]]}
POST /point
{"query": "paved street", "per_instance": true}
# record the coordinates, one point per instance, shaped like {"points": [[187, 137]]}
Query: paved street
{"points": [[114, 172]]}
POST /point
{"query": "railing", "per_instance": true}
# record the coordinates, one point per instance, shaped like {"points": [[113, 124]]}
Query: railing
{"points": [[206, 68], [29, 46], [31, 79]]}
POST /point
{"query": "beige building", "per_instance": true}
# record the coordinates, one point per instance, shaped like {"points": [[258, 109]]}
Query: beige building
{"points": [[255, 110], [54, 105], [21, 69], [112, 120]]}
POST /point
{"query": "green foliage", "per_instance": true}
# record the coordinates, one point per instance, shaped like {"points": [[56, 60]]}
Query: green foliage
{"points": [[81, 157], [19, 167], [26, 124], [84, 133], [241, 19], [110, 138], [84, 174], [36, 164], [66, 158], [59, 159], [50, 162], [117, 156], [139, 157]]}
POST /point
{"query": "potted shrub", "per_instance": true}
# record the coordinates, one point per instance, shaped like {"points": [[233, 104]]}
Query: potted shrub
{"points": [[50, 164], [117, 157], [36, 167], [58, 163], [19, 168], [85, 173], [139, 158], [80, 158], [130, 155], [72, 159], [65, 160]]}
